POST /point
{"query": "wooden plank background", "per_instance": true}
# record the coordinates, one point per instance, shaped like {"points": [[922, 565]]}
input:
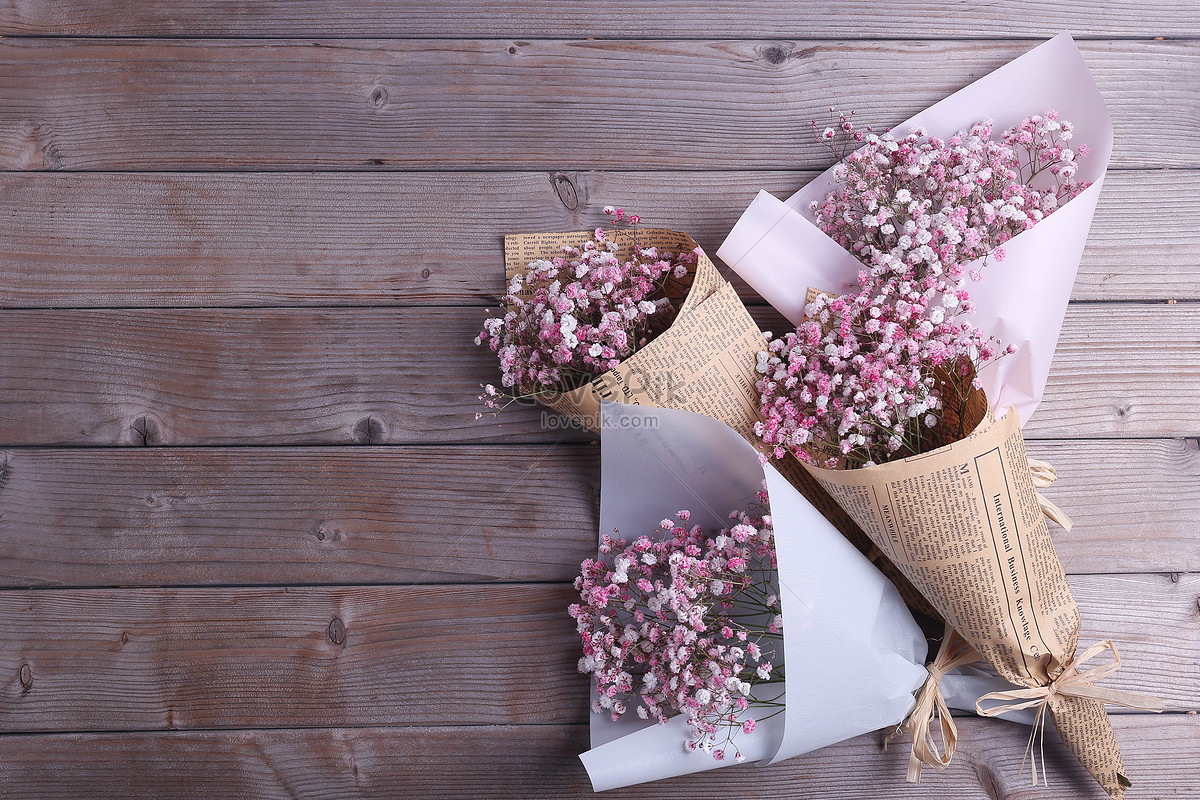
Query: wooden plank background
{"points": [[253, 543]]}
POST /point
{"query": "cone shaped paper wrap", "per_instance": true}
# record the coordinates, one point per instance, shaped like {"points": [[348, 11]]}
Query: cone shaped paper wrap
{"points": [[777, 248], [853, 655], [703, 362]]}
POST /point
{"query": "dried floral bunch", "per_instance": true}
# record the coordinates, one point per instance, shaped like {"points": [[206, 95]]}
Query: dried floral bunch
{"points": [[688, 623], [580, 314], [866, 375]]}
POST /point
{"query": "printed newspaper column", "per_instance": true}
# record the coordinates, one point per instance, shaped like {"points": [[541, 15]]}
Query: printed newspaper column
{"points": [[963, 524]]}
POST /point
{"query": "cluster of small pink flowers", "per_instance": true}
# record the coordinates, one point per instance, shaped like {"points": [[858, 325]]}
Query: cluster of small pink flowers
{"points": [[685, 624], [864, 374], [940, 204], [580, 313]]}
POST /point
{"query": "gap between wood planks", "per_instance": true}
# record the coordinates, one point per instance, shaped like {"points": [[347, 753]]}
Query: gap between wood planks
{"points": [[482, 36]]}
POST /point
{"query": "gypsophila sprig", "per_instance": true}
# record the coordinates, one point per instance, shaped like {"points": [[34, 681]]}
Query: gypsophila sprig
{"points": [[580, 313], [944, 203], [688, 623], [865, 375]]}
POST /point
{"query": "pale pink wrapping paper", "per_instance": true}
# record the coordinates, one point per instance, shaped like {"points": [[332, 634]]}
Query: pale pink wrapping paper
{"points": [[778, 250]]}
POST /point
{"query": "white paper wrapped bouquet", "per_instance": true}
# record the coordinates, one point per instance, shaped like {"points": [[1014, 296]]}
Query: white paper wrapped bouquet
{"points": [[725, 619], [928, 274]]}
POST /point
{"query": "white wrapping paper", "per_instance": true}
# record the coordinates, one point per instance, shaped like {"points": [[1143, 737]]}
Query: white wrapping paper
{"points": [[778, 250], [853, 654]]}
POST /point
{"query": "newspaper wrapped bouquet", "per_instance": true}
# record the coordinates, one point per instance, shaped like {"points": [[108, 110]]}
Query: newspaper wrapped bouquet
{"points": [[877, 390], [634, 315], [767, 634]]}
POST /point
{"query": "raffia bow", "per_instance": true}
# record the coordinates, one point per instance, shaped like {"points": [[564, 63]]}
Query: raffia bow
{"points": [[1044, 475], [931, 707], [1070, 683]]}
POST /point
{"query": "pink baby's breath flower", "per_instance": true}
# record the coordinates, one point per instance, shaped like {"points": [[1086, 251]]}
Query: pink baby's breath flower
{"points": [[676, 633], [864, 375], [579, 314]]}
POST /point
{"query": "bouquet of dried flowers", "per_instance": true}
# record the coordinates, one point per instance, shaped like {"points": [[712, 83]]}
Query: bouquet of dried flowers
{"points": [[633, 314], [580, 313], [878, 393], [862, 379], [685, 623], [689, 624]]}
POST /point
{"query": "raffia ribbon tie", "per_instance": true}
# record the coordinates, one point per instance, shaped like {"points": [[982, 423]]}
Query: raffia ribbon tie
{"points": [[954, 653], [1070, 683], [1044, 475]]}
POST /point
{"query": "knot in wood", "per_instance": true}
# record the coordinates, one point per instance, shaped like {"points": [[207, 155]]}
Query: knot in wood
{"points": [[566, 190], [774, 55], [337, 631]]}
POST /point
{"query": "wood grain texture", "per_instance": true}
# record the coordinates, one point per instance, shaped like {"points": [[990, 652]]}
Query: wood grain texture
{"points": [[151, 659], [302, 616], [155, 516], [526, 762], [229, 516], [1130, 387], [341, 104], [187, 658], [619, 19], [204, 239], [383, 375], [1134, 504]]}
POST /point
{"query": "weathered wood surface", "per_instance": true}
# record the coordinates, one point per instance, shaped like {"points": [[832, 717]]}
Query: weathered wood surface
{"points": [[151, 659], [458, 103], [165, 239], [300, 616], [383, 375], [229, 516], [155, 659], [153, 516], [623, 19], [539, 761]]}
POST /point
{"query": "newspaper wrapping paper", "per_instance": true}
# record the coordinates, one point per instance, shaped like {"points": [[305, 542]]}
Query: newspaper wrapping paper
{"points": [[963, 523], [704, 362], [777, 248], [697, 364], [853, 655]]}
